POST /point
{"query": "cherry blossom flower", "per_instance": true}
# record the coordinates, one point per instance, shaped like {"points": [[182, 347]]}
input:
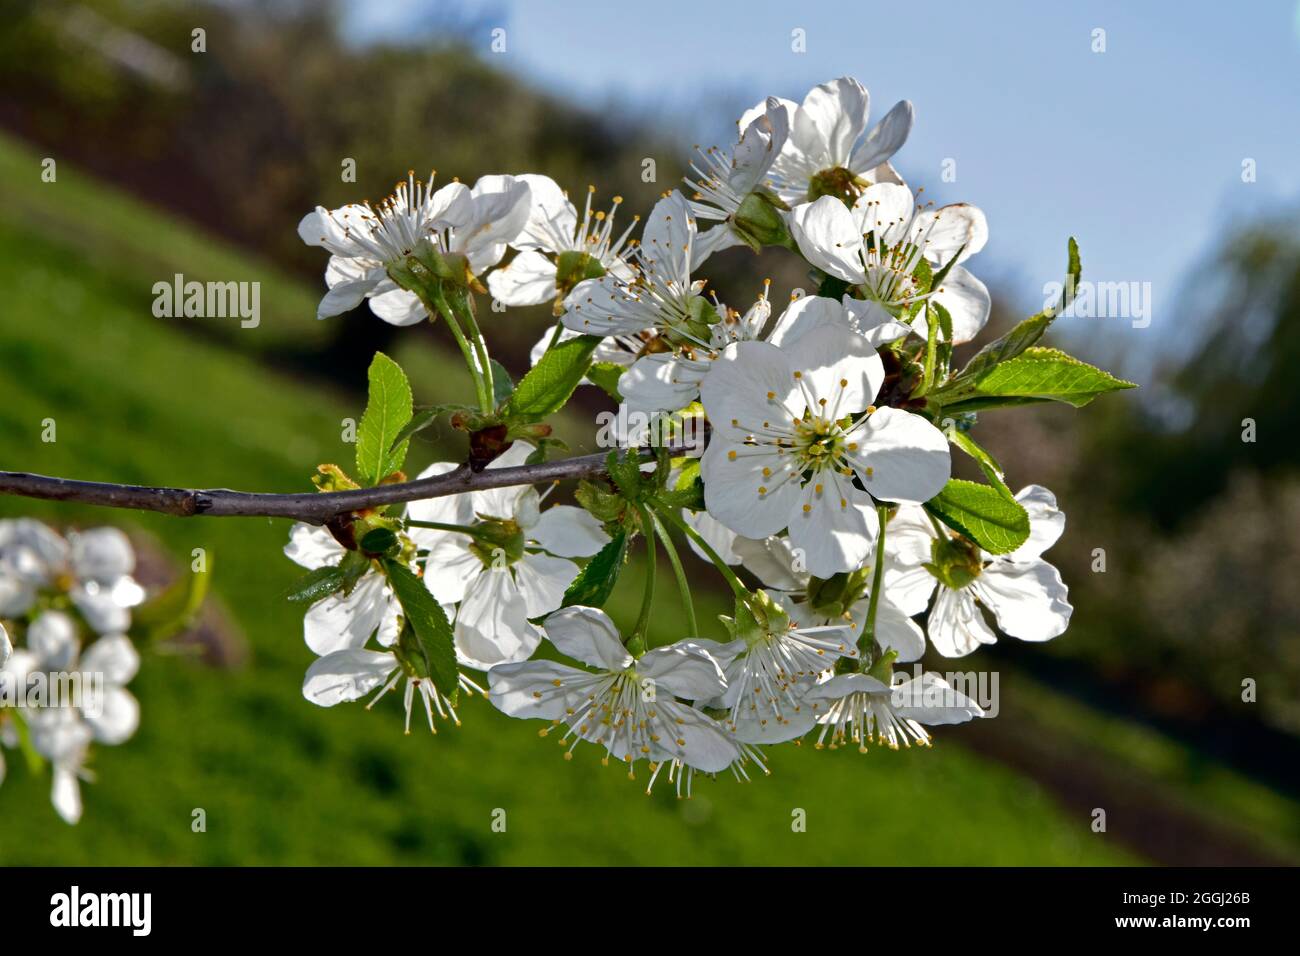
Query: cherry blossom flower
{"points": [[558, 250], [797, 444], [93, 568], [857, 707], [369, 244], [627, 705], [1025, 594], [826, 152], [514, 566], [879, 244]]}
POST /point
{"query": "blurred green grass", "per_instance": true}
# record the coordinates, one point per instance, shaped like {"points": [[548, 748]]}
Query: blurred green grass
{"points": [[139, 399]]}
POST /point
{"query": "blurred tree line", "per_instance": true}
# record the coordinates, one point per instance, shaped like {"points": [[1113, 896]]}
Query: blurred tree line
{"points": [[1200, 530]]}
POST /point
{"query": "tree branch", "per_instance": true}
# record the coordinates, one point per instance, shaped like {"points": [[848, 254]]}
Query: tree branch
{"points": [[311, 507]]}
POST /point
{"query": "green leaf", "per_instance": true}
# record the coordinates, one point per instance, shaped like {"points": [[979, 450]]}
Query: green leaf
{"points": [[1048, 375], [503, 385], [983, 513], [426, 617], [422, 420], [175, 608], [319, 583], [625, 470], [548, 385], [988, 464], [606, 375], [1030, 330], [595, 583], [388, 410]]}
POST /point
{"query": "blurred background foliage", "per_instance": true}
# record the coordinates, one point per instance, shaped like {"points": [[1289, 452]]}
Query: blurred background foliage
{"points": [[170, 162]]}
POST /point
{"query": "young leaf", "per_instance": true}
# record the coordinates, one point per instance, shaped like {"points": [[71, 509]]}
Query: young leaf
{"points": [[502, 385], [983, 513], [319, 583], [606, 376], [550, 382], [988, 464], [1048, 375], [388, 410], [1030, 330], [595, 583], [427, 619]]}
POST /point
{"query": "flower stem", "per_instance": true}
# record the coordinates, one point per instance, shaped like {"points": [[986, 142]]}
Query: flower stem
{"points": [[676, 521], [465, 310], [683, 586], [636, 643], [440, 526], [869, 628], [436, 301]]}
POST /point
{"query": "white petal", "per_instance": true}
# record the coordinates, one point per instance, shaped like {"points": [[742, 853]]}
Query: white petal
{"points": [[398, 307], [956, 626], [829, 238], [533, 688], [830, 120], [839, 366], [693, 738], [968, 303], [720, 237], [569, 532], [552, 218], [738, 384], [668, 236], [884, 140], [527, 279], [1030, 601], [344, 297], [715, 534], [101, 554], [492, 624], [885, 209], [313, 547], [112, 716], [115, 657], [732, 488], [950, 228], [543, 579], [65, 793], [346, 675], [1046, 523], [834, 528], [683, 670], [897, 631], [908, 457], [660, 382], [587, 634], [930, 700], [341, 621], [773, 561], [52, 637]]}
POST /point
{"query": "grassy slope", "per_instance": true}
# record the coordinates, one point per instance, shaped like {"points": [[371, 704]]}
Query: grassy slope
{"points": [[283, 782]]}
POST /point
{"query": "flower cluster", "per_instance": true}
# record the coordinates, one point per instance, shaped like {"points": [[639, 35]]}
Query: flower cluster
{"points": [[825, 497], [65, 657]]}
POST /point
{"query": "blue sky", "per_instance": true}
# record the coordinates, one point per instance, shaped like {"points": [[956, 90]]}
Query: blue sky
{"points": [[1137, 151]]}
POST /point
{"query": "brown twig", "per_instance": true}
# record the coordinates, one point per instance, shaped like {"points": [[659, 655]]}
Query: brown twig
{"points": [[311, 507]]}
